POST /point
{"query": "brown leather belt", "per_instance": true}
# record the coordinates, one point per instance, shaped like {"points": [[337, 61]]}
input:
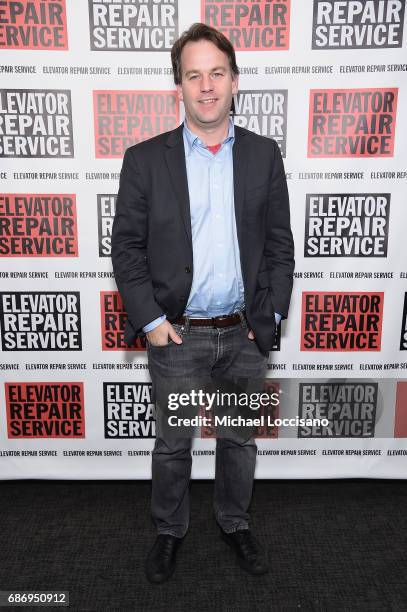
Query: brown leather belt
{"points": [[224, 321]]}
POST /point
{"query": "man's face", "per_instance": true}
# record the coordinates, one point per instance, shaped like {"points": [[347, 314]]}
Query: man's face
{"points": [[207, 84]]}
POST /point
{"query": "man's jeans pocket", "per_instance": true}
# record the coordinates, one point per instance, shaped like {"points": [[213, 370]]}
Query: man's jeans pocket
{"points": [[180, 331]]}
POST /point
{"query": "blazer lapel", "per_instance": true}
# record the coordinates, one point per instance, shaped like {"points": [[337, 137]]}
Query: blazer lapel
{"points": [[240, 161], [175, 158]]}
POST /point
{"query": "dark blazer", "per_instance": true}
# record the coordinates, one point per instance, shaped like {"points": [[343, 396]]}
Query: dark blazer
{"points": [[151, 237]]}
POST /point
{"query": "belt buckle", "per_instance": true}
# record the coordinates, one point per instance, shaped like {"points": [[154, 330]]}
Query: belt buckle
{"points": [[220, 319]]}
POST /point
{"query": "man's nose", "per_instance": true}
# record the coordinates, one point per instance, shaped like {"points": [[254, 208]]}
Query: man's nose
{"points": [[206, 83]]}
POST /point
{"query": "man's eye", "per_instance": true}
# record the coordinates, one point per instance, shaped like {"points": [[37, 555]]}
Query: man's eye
{"points": [[218, 74], [193, 76]]}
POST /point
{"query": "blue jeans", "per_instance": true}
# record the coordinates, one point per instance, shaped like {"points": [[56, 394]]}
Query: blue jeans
{"points": [[207, 354]]}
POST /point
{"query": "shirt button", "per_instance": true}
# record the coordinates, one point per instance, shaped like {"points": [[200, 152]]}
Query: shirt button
{"points": [[220, 275], [217, 216]]}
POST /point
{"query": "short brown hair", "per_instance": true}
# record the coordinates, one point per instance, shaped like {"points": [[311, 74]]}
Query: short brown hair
{"points": [[201, 31]]}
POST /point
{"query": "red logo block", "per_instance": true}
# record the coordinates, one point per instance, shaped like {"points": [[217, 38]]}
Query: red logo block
{"points": [[250, 26], [33, 25], [352, 122], [400, 421], [45, 410], [124, 118], [341, 321], [114, 319]]}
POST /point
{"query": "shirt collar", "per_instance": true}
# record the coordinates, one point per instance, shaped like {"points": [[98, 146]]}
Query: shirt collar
{"points": [[191, 140]]}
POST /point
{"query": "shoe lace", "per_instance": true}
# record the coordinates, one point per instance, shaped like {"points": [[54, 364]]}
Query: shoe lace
{"points": [[248, 543], [164, 546]]}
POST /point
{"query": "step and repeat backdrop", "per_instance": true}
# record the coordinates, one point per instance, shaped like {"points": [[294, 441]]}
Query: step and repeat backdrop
{"points": [[82, 80]]}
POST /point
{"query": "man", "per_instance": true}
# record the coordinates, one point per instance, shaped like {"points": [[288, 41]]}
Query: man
{"points": [[203, 257]]}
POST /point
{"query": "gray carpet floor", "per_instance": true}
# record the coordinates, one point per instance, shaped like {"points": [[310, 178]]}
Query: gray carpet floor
{"points": [[333, 545]]}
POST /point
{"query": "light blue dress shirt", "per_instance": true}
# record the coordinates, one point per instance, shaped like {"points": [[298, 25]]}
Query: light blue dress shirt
{"points": [[217, 284]]}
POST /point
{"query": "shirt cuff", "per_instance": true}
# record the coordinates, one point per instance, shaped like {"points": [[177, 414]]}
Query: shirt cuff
{"points": [[150, 326], [277, 317]]}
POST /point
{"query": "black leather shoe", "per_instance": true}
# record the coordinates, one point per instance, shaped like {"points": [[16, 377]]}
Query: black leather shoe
{"points": [[160, 563], [249, 554]]}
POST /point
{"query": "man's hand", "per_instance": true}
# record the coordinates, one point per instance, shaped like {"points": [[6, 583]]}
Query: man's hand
{"points": [[251, 334], [161, 335]]}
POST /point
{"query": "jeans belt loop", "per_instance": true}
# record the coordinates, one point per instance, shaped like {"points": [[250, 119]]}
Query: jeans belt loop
{"points": [[242, 318], [186, 324]]}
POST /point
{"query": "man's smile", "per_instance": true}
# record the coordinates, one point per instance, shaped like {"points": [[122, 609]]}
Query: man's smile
{"points": [[208, 101]]}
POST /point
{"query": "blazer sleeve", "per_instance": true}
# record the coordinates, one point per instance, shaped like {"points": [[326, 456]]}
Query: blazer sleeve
{"points": [[279, 244], [129, 246]]}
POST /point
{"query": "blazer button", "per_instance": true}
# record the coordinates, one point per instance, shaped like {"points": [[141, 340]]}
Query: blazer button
{"points": [[187, 269], [182, 298]]}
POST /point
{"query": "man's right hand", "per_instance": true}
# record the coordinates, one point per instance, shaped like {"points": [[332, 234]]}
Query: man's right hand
{"points": [[161, 335]]}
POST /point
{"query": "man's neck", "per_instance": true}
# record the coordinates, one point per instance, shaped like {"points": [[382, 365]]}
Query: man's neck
{"points": [[210, 136]]}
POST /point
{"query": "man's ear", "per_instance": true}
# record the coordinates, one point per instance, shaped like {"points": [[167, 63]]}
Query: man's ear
{"points": [[179, 93]]}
